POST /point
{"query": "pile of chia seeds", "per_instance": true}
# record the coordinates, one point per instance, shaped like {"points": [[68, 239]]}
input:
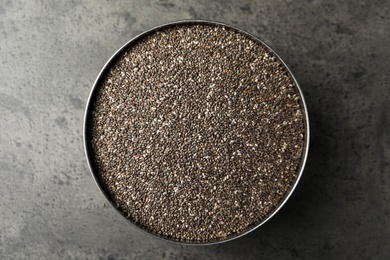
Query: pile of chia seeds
{"points": [[197, 132]]}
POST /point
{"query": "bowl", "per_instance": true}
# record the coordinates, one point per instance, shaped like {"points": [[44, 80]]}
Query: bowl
{"points": [[92, 150]]}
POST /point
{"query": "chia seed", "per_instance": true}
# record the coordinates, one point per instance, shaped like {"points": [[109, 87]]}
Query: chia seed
{"points": [[197, 132]]}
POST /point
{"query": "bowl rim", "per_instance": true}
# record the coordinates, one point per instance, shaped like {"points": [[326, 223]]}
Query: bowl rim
{"points": [[113, 58]]}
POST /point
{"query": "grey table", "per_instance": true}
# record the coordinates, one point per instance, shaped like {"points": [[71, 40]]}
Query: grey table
{"points": [[52, 51]]}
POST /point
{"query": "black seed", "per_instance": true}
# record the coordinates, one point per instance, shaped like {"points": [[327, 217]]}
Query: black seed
{"points": [[197, 132]]}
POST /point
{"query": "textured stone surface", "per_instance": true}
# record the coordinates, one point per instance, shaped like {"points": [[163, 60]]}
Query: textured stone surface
{"points": [[52, 51]]}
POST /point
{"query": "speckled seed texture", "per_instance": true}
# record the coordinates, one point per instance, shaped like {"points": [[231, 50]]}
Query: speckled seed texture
{"points": [[197, 132]]}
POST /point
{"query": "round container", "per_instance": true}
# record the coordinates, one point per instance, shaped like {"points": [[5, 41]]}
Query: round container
{"points": [[87, 126]]}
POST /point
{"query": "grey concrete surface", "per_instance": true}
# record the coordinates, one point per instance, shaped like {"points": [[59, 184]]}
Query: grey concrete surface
{"points": [[50, 55]]}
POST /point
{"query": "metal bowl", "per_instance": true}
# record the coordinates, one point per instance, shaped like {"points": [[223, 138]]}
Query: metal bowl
{"points": [[87, 134]]}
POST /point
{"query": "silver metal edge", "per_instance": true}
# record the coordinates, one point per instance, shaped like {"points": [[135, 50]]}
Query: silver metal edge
{"points": [[204, 22]]}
